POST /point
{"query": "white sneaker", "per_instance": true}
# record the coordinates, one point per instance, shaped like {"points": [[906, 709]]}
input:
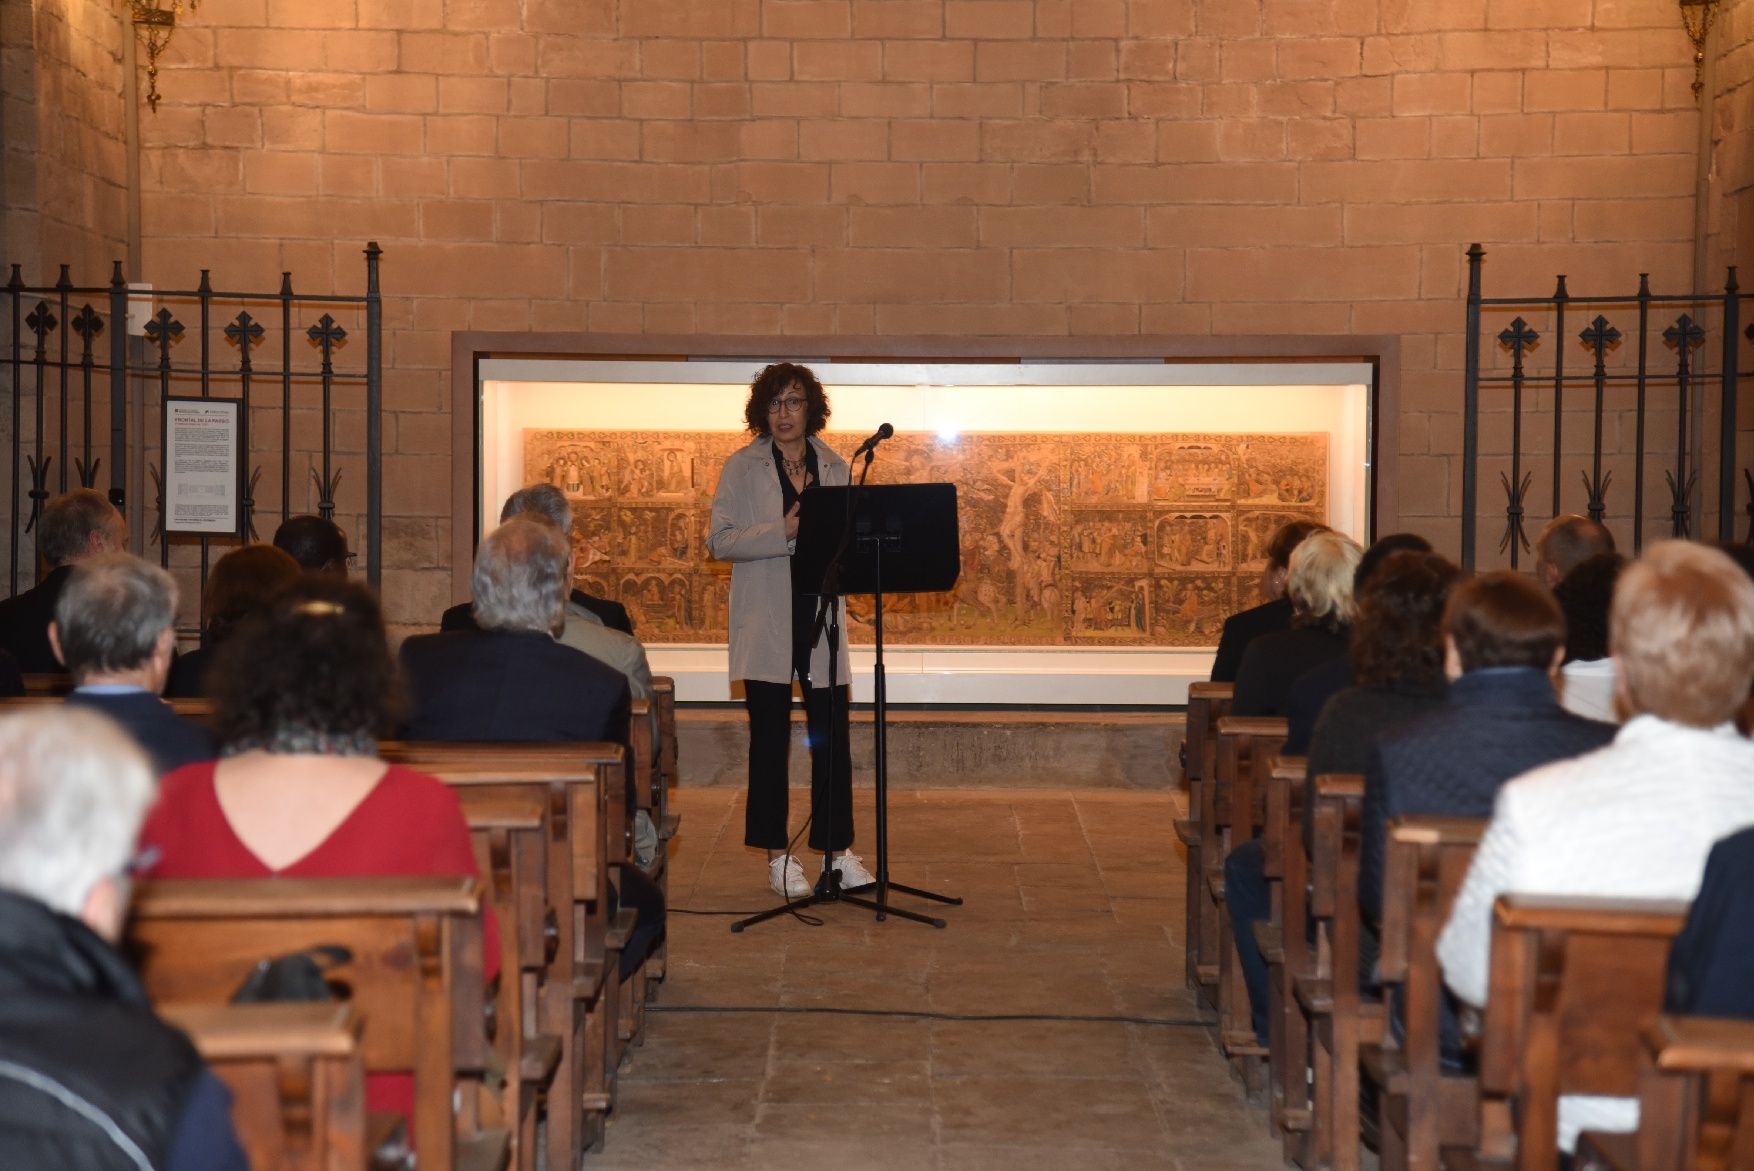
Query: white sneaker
{"points": [[787, 879], [853, 875]]}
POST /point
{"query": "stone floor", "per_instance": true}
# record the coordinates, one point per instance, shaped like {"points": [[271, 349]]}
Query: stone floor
{"points": [[839, 1046]]}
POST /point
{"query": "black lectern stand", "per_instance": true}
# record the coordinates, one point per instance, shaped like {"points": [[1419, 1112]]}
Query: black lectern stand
{"points": [[899, 538]]}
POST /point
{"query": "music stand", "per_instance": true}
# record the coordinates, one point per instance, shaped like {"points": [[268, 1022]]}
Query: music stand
{"points": [[905, 540], [844, 535]]}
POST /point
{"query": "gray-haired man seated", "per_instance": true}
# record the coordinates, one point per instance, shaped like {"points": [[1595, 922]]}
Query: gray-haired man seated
{"points": [[114, 628], [89, 1077]]}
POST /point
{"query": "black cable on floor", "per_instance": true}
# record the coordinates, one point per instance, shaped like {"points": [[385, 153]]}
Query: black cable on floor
{"points": [[919, 1014]]}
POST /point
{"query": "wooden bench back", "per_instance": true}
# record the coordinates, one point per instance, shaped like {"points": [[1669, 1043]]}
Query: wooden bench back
{"points": [[1207, 704], [1424, 864], [47, 683], [415, 975], [295, 1075], [198, 710], [1573, 982], [1333, 988], [1697, 1099]]}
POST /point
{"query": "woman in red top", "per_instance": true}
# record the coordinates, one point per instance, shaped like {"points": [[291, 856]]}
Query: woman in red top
{"points": [[304, 689]]}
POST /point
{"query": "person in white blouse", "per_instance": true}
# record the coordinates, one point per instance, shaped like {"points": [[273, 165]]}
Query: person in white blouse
{"points": [[1635, 819]]}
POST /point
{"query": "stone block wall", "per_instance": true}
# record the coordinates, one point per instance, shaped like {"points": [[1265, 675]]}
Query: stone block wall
{"points": [[1078, 168]]}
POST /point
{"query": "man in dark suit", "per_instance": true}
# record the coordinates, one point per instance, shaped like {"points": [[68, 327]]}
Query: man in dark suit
{"points": [[114, 629], [509, 679], [1504, 638], [317, 544], [75, 525], [548, 501]]}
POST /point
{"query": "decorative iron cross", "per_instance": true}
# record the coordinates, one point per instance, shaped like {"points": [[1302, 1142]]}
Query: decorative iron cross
{"points": [[1684, 327], [1600, 337], [1518, 339], [162, 331], [327, 334], [42, 323], [244, 333], [88, 324]]}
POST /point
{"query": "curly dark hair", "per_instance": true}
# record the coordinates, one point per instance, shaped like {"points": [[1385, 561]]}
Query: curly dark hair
{"points": [[1397, 640], [1584, 597], [772, 382], [315, 660]]}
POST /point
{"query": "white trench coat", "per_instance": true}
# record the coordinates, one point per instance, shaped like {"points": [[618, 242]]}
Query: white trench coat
{"points": [[749, 530]]}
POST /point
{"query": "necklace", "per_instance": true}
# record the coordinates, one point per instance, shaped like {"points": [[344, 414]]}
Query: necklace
{"points": [[795, 467]]}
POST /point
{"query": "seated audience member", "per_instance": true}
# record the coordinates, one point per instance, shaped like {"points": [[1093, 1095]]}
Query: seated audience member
{"points": [[318, 545], [1397, 655], [1270, 616], [510, 680], [1711, 965], [242, 582], [582, 609], [1635, 819], [1319, 587], [1503, 637], [1315, 687], [114, 628], [75, 525], [304, 689], [1565, 543], [1586, 681], [89, 1077]]}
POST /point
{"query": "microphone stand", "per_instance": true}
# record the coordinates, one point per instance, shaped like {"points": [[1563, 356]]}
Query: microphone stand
{"points": [[828, 616]]}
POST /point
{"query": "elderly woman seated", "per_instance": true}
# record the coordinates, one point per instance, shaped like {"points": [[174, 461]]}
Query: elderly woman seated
{"points": [[1637, 818], [1319, 586], [304, 690]]}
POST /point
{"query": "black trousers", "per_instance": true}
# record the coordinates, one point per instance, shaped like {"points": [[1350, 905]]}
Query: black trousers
{"points": [[770, 741]]}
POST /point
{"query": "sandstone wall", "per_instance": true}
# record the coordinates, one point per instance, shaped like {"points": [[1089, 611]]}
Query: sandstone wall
{"points": [[1093, 168]]}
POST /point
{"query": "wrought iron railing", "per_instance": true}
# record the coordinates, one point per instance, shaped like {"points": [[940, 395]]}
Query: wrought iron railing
{"points": [[69, 342], [1622, 384]]}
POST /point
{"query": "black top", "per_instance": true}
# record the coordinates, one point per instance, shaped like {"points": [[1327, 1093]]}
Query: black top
{"points": [[188, 674], [24, 623], [1273, 662], [11, 682], [1345, 735], [1309, 692], [1244, 627], [169, 739], [803, 605], [90, 1079], [1711, 964], [510, 685]]}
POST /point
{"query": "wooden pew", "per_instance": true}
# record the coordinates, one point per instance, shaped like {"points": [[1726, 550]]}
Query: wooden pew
{"points": [[47, 683], [1421, 1108], [1284, 944], [415, 977], [1339, 1020], [575, 997], [1696, 1102], [296, 1078], [1207, 703], [1573, 982], [1245, 748], [664, 696], [198, 710]]}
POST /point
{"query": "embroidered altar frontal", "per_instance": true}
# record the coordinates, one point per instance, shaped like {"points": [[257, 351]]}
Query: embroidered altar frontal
{"points": [[1067, 539]]}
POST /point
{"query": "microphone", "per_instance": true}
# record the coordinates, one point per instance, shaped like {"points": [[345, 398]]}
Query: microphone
{"points": [[882, 433]]}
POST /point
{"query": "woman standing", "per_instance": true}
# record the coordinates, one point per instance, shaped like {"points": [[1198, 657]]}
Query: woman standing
{"points": [[755, 527]]}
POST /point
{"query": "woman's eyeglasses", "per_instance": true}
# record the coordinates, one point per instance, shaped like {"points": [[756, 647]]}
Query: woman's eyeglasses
{"points": [[790, 406]]}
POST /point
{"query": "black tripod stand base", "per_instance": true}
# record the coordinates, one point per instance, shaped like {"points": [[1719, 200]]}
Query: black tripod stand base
{"points": [[947, 900], [821, 898]]}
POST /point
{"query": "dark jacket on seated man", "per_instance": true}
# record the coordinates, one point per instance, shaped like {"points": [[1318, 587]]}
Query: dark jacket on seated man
{"points": [[510, 685], [11, 680], [24, 624], [612, 614], [169, 739], [1241, 629], [89, 1077], [1711, 964]]}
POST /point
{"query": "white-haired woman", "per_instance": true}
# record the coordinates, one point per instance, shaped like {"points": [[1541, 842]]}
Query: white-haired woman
{"points": [[1318, 584]]}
